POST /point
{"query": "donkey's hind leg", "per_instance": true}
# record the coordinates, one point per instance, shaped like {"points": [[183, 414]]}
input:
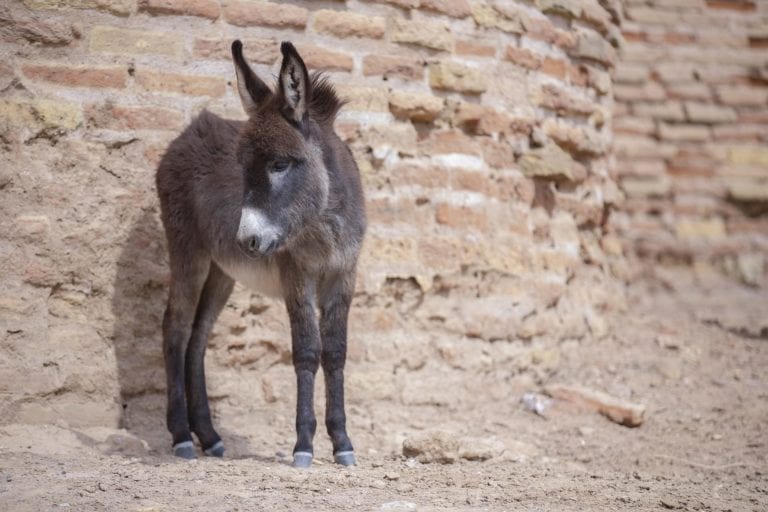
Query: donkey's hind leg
{"points": [[216, 291], [187, 278]]}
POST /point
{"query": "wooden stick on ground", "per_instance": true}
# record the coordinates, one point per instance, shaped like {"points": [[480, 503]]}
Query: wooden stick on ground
{"points": [[619, 411]]}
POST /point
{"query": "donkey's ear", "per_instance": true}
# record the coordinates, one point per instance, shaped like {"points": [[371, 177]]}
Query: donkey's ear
{"points": [[253, 92], [294, 84]]}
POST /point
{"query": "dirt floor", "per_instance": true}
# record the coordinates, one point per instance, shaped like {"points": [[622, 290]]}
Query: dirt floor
{"points": [[693, 351]]}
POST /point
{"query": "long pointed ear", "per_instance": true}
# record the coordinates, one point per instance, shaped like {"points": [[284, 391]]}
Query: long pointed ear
{"points": [[294, 84], [253, 92]]}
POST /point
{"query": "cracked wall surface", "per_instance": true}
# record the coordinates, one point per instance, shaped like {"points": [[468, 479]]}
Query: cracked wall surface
{"points": [[482, 130]]}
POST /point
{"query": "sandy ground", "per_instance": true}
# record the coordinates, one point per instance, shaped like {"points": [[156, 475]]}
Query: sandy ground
{"points": [[694, 352]]}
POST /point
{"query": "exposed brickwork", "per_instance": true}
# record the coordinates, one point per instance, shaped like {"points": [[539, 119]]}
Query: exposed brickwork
{"points": [[482, 131], [691, 124]]}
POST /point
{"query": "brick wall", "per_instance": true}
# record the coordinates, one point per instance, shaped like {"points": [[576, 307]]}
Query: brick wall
{"points": [[691, 124], [482, 131]]}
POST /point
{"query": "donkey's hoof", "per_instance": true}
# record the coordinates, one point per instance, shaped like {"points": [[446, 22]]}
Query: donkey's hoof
{"points": [[185, 450], [302, 459], [345, 458], [217, 450]]}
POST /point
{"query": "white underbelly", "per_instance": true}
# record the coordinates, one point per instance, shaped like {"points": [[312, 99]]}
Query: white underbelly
{"points": [[258, 276]]}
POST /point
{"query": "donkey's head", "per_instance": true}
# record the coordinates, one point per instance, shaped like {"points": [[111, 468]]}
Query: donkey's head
{"points": [[285, 178]]}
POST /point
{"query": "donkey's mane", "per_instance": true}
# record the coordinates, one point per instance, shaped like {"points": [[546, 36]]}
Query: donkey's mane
{"points": [[325, 103]]}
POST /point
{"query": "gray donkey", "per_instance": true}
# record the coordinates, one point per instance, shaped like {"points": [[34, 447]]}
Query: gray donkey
{"points": [[276, 203]]}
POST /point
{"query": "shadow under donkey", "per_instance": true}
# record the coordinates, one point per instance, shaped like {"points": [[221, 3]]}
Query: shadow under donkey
{"points": [[138, 303]]}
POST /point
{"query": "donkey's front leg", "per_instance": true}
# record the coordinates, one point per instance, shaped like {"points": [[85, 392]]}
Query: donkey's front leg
{"points": [[187, 280], [305, 338], [334, 309]]}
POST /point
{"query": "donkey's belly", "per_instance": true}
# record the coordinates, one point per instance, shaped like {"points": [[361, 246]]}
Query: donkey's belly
{"points": [[258, 276]]}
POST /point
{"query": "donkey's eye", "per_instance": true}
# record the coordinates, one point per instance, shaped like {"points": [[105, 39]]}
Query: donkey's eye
{"points": [[280, 166]]}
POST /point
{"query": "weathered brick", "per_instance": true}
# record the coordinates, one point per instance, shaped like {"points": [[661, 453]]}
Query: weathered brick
{"points": [[742, 95], [128, 41], [740, 132], [697, 229], [723, 72], [568, 8], [348, 24], [599, 80], [418, 173], [417, 107], [399, 137], [708, 113], [316, 57], [454, 8], [675, 72], [441, 253], [406, 4], [668, 110], [474, 48], [631, 73], [678, 38], [659, 186], [643, 167], [636, 125], [544, 30], [563, 102], [507, 17], [40, 115], [395, 210], [523, 57], [748, 190], [454, 76], [180, 84], [366, 99], [749, 155], [431, 34], [262, 51], [689, 91], [204, 8], [578, 139], [36, 28], [244, 13], [134, 117], [651, 16], [578, 75], [78, 76], [473, 181], [119, 7], [733, 5], [554, 67], [481, 119], [410, 68], [591, 45], [716, 38], [442, 142], [498, 154], [683, 132], [386, 250], [650, 91], [627, 146], [549, 161], [461, 217]]}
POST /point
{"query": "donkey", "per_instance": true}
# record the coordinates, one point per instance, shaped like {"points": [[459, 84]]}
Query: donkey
{"points": [[276, 203]]}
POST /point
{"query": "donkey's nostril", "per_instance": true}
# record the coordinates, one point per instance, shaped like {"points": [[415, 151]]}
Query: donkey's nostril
{"points": [[253, 243]]}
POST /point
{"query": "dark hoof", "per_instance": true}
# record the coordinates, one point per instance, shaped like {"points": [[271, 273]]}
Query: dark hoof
{"points": [[217, 450], [185, 450], [302, 459], [345, 458]]}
